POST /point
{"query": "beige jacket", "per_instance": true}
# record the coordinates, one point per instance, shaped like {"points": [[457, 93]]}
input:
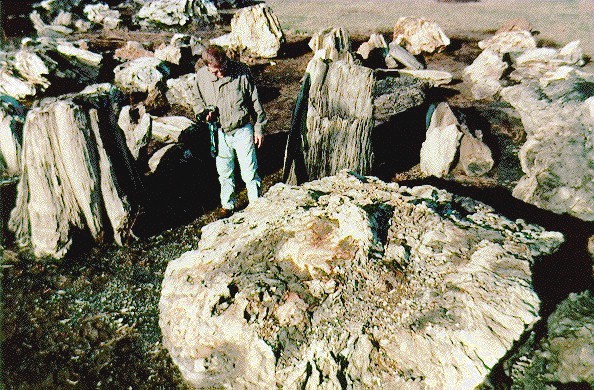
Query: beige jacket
{"points": [[235, 95]]}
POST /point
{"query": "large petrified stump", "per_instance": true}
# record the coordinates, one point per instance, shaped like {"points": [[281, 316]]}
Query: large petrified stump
{"points": [[337, 110], [77, 173], [349, 282]]}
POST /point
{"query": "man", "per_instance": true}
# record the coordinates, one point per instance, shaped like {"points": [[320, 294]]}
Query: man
{"points": [[229, 86]]}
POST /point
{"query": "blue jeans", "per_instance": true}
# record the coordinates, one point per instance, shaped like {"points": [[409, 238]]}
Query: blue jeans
{"points": [[241, 144]]}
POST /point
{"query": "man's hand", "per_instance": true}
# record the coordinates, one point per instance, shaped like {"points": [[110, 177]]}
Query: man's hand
{"points": [[258, 139]]}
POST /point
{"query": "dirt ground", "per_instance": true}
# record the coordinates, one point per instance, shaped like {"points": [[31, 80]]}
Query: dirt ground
{"points": [[91, 320]]}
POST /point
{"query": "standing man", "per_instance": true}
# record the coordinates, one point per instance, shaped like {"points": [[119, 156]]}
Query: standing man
{"points": [[229, 96]]}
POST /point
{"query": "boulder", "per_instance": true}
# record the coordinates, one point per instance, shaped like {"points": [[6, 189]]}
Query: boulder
{"points": [[419, 35], [103, 15], [558, 156], [349, 282], [509, 41], [535, 63], [566, 354], [441, 143], [131, 51], [11, 135], [484, 73], [183, 92], [330, 43], [14, 86], [90, 187], [180, 50], [155, 159], [50, 30], [475, 156], [32, 68], [376, 41], [171, 13], [139, 75], [168, 128], [399, 55], [255, 30]]}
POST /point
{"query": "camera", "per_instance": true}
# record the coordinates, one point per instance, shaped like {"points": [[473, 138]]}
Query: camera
{"points": [[207, 110]]}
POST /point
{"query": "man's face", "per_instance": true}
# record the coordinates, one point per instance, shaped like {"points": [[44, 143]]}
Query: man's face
{"points": [[217, 69]]}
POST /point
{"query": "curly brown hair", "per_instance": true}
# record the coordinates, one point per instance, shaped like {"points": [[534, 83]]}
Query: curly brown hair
{"points": [[214, 55]]}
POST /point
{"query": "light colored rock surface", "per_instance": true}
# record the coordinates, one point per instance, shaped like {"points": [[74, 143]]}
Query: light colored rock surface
{"points": [[103, 15], [11, 130], [139, 75], [509, 41], [138, 132], [87, 57], [434, 78], [176, 12], [566, 354], [168, 128], [399, 55], [558, 156], [62, 191], [131, 51], [352, 282], [14, 86], [183, 92], [332, 41], [535, 63], [180, 49], [50, 30], [32, 67], [484, 74], [441, 142], [475, 156], [419, 35], [256, 30], [155, 159], [376, 41]]}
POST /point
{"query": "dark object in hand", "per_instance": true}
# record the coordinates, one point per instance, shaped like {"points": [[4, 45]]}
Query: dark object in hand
{"points": [[207, 110]]}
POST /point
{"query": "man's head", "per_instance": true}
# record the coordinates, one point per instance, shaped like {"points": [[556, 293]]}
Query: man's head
{"points": [[215, 59]]}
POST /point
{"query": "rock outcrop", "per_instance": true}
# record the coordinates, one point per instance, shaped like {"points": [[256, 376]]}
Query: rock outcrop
{"points": [[418, 35], [484, 74], [103, 15], [558, 156], [254, 30], [74, 174], [352, 282]]}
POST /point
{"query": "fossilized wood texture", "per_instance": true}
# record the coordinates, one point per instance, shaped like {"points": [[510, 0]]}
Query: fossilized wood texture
{"points": [[536, 63], [177, 12], [257, 30], [11, 134], [419, 35], [566, 354], [349, 282], [72, 173], [558, 156], [345, 101], [376, 41], [331, 41], [132, 50]]}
